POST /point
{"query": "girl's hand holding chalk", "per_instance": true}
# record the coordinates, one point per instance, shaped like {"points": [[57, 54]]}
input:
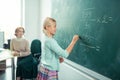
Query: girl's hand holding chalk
{"points": [[75, 38]]}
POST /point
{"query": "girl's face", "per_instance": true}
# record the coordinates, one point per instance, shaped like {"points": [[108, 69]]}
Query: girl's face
{"points": [[19, 33], [52, 28]]}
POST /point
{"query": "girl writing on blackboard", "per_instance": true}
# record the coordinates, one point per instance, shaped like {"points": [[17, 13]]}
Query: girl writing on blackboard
{"points": [[52, 52]]}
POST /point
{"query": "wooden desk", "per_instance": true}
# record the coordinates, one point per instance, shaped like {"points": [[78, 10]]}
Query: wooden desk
{"points": [[2, 65], [5, 54]]}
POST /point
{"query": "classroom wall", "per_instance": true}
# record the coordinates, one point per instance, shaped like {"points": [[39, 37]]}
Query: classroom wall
{"points": [[33, 14], [31, 18]]}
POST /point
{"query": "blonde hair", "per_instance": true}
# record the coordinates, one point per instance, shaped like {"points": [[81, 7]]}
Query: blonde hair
{"points": [[17, 30], [47, 23]]}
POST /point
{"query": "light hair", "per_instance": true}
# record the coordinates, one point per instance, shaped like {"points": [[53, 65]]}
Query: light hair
{"points": [[47, 23], [17, 30]]}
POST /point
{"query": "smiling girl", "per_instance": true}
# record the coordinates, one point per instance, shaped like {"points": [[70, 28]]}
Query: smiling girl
{"points": [[52, 52]]}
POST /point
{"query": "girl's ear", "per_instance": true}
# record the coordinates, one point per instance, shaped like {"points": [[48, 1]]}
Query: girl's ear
{"points": [[47, 27]]}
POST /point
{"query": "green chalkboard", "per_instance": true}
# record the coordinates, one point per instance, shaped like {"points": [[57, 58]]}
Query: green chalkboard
{"points": [[98, 24]]}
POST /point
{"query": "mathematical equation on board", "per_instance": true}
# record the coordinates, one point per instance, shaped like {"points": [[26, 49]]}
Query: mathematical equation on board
{"points": [[87, 42], [90, 15], [90, 43]]}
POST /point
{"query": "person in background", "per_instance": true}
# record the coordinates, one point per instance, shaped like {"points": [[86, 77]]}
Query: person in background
{"points": [[20, 48], [52, 54]]}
